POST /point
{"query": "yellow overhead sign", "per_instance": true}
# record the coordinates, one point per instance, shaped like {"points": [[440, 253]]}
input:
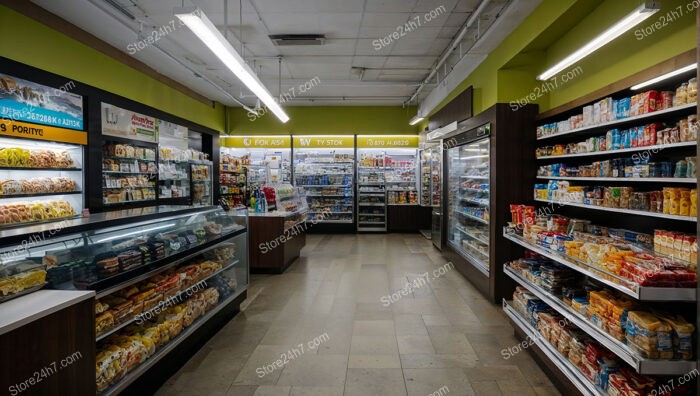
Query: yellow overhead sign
{"points": [[387, 141], [324, 142], [42, 132], [256, 141]]}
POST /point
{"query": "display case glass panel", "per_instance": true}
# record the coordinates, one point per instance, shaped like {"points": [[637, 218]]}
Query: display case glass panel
{"points": [[202, 186], [401, 176], [39, 181], [468, 202], [327, 176], [425, 176], [436, 176]]}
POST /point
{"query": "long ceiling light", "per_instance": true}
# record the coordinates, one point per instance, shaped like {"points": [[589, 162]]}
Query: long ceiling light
{"points": [[665, 76], [416, 119], [203, 28], [639, 14]]}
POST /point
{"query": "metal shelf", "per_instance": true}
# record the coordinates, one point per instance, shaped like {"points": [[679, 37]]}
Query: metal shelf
{"points": [[335, 221], [625, 179], [638, 292], [619, 348], [370, 204], [478, 264], [475, 177], [627, 150], [563, 364], [653, 114], [39, 194], [480, 220], [619, 210], [329, 213], [464, 231], [324, 174], [474, 201], [23, 168], [323, 185]]}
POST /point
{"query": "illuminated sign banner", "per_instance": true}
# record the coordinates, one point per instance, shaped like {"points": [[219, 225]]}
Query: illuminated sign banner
{"points": [[271, 142], [324, 142], [42, 132], [397, 141], [124, 123]]}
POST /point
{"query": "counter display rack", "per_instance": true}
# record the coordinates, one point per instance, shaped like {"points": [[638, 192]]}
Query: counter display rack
{"points": [[627, 160], [328, 178], [132, 174], [277, 160], [33, 168]]}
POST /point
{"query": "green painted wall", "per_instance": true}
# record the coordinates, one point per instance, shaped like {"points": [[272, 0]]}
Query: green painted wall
{"points": [[28, 41], [558, 27], [327, 120]]}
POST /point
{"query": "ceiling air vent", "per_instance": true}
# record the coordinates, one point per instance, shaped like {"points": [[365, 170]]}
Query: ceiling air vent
{"points": [[298, 39]]}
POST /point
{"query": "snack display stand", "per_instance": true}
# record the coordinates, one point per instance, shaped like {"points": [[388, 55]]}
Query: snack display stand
{"points": [[620, 177], [277, 236], [160, 276]]}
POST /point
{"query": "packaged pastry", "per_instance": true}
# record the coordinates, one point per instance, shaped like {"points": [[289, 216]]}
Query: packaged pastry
{"points": [[684, 207], [649, 335], [681, 97], [682, 332], [10, 187], [104, 322], [692, 90]]}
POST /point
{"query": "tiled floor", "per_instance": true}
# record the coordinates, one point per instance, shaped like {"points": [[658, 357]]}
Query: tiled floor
{"points": [[442, 339]]}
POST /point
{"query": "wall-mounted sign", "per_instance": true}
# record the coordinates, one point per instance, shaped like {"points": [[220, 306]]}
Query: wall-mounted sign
{"points": [[22, 100], [124, 123], [324, 142], [387, 141], [271, 142], [42, 132]]}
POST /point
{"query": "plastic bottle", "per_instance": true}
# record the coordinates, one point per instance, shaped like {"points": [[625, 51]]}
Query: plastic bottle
{"points": [[252, 199], [263, 202]]}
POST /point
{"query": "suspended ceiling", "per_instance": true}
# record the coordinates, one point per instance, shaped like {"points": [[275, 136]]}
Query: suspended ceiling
{"points": [[347, 69]]}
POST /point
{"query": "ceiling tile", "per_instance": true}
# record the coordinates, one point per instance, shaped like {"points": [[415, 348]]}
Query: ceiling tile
{"points": [[390, 5]]}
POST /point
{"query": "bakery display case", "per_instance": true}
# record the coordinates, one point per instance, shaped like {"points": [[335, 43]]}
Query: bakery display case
{"points": [[39, 181], [327, 176], [468, 204], [202, 182], [129, 172]]}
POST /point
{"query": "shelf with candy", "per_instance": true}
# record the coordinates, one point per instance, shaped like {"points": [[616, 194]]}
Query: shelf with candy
{"points": [[623, 169], [173, 154], [395, 197], [659, 267], [604, 315], [129, 166], [323, 180], [609, 112], [592, 368], [128, 152], [478, 214], [651, 138], [22, 158], [671, 202], [125, 356], [128, 305]]}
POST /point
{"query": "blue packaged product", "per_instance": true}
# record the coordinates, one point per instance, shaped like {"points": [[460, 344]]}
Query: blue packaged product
{"points": [[615, 139], [625, 138]]}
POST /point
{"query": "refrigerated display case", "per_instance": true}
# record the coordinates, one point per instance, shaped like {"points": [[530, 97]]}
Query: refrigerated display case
{"points": [[327, 175], [202, 182], [41, 180], [401, 176], [371, 192], [436, 154], [468, 205], [425, 175]]}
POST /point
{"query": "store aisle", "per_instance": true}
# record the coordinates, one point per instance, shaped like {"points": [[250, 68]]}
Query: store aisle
{"points": [[442, 339]]}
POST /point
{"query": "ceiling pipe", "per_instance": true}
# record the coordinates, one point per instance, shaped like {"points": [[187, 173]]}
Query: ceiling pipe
{"points": [[453, 45]]}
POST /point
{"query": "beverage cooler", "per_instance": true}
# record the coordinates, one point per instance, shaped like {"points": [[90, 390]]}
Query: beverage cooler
{"points": [[431, 190], [468, 200]]}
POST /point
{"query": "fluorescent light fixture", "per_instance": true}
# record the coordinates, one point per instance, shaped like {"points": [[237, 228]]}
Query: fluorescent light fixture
{"points": [[416, 120], [203, 28], [639, 14], [665, 76]]}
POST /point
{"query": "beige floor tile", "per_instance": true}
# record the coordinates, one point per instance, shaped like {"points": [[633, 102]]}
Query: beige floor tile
{"points": [[449, 381], [480, 373], [486, 388], [241, 390], [438, 361], [263, 366], [317, 391], [206, 384], [374, 345], [374, 361], [415, 344], [272, 390], [436, 320], [365, 382], [546, 391], [315, 370], [373, 328], [447, 340], [510, 388]]}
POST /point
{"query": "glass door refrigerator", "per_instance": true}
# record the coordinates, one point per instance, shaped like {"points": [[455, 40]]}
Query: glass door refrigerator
{"points": [[468, 198], [371, 193], [436, 195]]}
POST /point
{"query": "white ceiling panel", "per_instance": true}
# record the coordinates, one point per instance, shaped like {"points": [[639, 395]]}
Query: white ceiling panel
{"points": [[352, 29]]}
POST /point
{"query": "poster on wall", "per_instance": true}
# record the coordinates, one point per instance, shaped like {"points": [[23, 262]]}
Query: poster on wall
{"points": [[22, 100], [128, 124]]}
